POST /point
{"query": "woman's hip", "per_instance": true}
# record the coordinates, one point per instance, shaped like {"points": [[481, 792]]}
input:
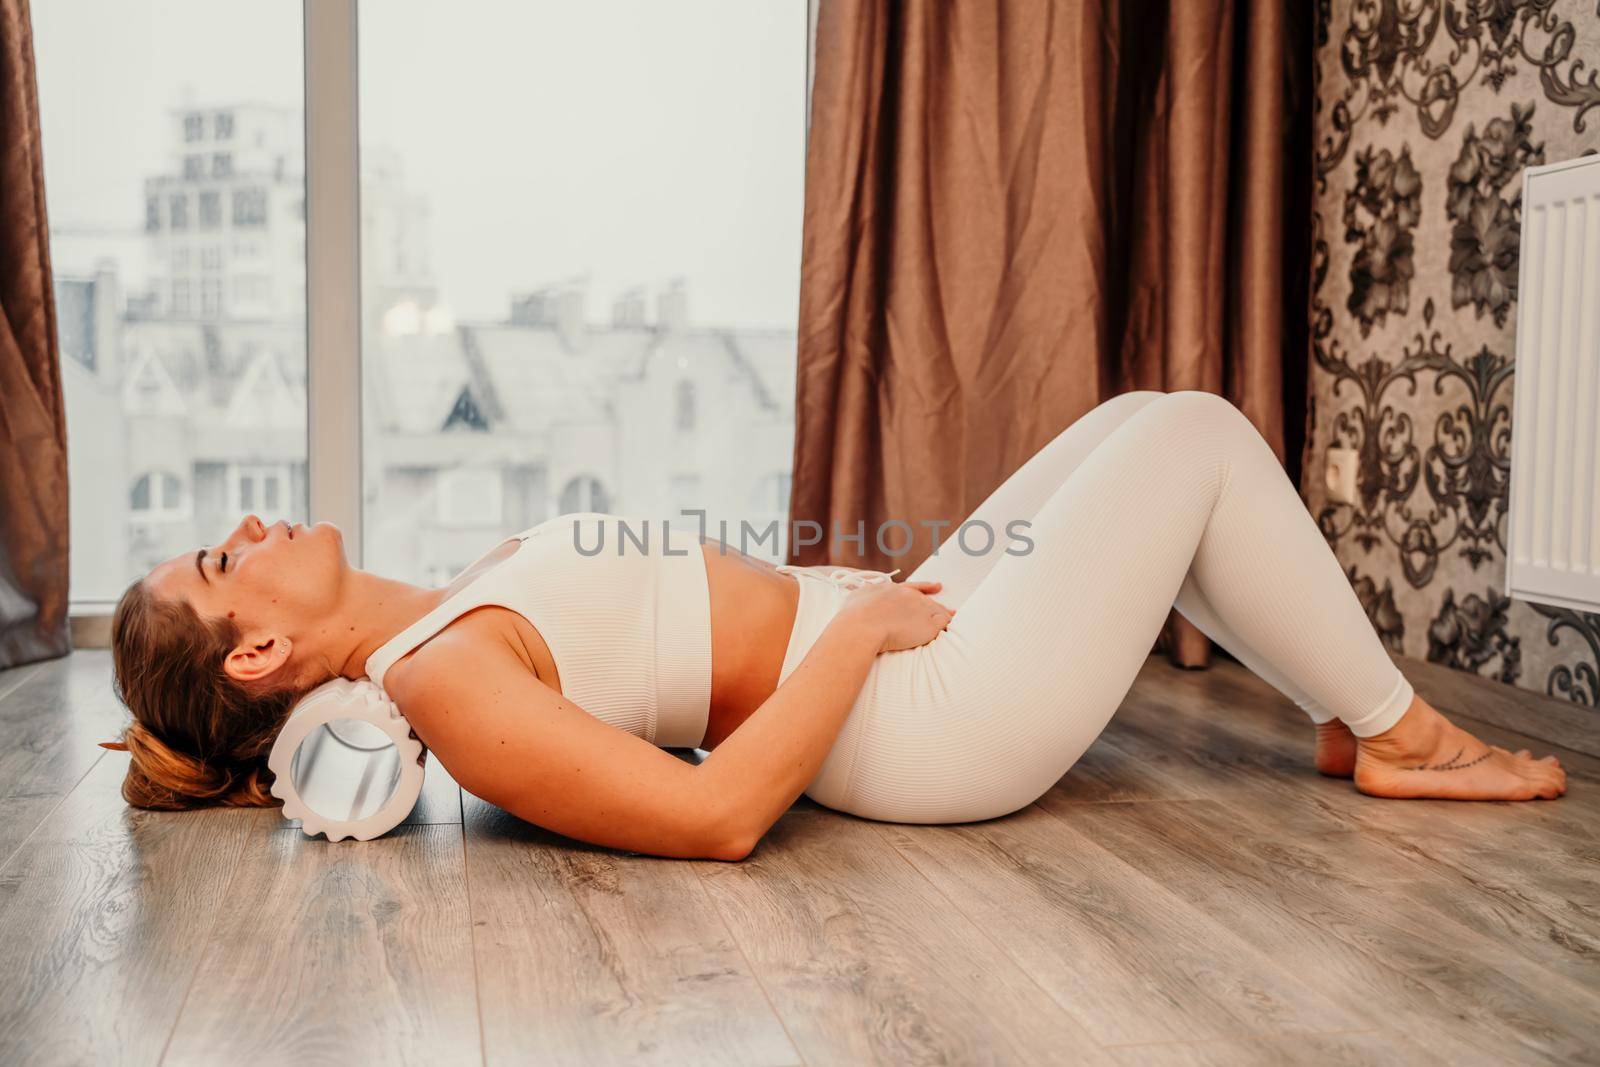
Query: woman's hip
{"points": [[933, 738], [928, 741], [950, 731]]}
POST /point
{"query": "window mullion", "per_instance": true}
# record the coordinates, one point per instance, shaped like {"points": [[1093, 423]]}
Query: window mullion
{"points": [[333, 269]]}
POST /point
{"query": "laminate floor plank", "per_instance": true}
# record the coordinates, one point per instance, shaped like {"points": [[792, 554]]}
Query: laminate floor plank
{"points": [[1467, 861], [104, 913], [440, 803], [12, 677], [1267, 741], [1310, 1050], [1349, 930], [589, 956], [1191, 893], [1107, 775], [1229, 735], [1128, 958], [52, 717], [19, 817], [867, 962], [1197, 754], [346, 952], [1231, 690], [1531, 714]]}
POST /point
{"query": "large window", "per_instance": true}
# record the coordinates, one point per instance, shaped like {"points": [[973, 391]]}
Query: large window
{"points": [[180, 413], [579, 240], [580, 264]]}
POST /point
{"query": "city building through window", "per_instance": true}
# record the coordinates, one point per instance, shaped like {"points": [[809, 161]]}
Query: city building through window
{"points": [[260, 489], [156, 495], [470, 497], [685, 412], [584, 493], [249, 207], [210, 210]]}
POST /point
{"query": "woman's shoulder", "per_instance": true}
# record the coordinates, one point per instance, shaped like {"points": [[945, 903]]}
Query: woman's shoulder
{"points": [[458, 651]]}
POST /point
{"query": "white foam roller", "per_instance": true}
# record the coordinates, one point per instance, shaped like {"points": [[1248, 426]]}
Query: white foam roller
{"points": [[346, 762]]}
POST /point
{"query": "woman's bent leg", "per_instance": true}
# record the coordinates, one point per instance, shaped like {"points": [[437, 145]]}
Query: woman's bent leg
{"points": [[1021, 496], [1026, 491], [988, 716]]}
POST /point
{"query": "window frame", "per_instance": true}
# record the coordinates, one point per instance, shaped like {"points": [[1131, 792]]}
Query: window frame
{"points": [[333, 268]]}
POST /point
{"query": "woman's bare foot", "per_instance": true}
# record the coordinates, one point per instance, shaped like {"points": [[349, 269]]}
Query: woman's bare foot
{"points": [[1425, 755], [1336, 749]]}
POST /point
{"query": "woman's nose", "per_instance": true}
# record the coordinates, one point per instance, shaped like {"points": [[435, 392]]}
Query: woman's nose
{"points": [[250, 529]]}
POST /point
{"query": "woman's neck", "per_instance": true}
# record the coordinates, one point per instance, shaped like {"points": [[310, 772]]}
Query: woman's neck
{"points": [[375, 609]]}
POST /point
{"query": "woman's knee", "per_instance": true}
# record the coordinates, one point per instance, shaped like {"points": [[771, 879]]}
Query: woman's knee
{"points": [[1137, 398], [1202, 407], [1123, 406]]}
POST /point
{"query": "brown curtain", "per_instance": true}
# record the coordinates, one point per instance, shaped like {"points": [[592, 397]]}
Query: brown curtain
{"points": [[1016, 209], [33, 433]]}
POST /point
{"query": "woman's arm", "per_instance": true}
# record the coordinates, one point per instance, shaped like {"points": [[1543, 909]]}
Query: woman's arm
{"points": [[507, 737], [766, 763]]}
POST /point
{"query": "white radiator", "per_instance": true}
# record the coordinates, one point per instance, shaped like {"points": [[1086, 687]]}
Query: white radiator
{"points": [[1553, 542]]}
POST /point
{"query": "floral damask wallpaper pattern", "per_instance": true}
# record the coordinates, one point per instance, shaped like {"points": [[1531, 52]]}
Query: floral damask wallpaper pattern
{"points": [[1426, 113]]}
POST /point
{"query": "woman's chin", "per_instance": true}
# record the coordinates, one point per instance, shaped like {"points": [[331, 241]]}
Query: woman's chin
{"points": [[331, 535], [333, 532]]}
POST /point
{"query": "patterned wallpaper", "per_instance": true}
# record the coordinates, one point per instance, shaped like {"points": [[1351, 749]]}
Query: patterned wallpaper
{"points": [[1426, 111]]}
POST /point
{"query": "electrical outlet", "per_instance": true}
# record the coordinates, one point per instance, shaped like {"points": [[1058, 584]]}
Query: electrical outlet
{"points": [[1343, 466]]}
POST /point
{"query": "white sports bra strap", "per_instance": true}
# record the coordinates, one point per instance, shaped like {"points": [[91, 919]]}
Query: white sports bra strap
{"points": [[482, 591]]}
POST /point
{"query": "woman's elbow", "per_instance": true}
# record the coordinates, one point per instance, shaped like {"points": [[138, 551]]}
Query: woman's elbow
{"points": [[732, 849], [728, 835]]}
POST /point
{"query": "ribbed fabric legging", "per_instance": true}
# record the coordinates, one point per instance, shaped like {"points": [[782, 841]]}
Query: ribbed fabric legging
{"points": [[1150, 500]]}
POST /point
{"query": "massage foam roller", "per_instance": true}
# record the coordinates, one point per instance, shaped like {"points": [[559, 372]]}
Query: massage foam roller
{"points": [[346, 762]]}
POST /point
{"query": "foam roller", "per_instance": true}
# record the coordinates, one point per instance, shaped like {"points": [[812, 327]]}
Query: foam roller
{"points": [[346, 762]]}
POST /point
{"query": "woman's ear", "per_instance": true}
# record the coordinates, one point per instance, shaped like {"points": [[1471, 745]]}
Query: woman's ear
{"points": [[257, 657]]}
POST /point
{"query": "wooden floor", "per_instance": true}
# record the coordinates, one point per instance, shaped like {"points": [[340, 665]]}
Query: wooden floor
{"points": [[1191, 893]]}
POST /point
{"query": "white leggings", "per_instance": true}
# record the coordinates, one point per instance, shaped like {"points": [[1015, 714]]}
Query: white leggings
{"points": [[1150, 501]]}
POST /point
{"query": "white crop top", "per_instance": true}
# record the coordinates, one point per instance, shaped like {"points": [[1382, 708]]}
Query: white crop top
{"points": [[629, 628]]}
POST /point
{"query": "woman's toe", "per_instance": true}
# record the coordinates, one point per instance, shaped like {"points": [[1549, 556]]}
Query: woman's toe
{"points": [[1549, 781]]}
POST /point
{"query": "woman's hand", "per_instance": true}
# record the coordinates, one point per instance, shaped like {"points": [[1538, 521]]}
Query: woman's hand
{"points": [[903, 615]]}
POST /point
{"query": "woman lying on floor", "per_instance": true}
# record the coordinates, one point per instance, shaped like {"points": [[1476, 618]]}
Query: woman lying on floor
{"points": [[547, 680]]}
